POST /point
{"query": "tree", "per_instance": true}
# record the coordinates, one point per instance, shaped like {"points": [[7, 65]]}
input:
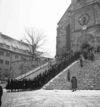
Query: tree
{"points": [[35, 40], [5, 74]]}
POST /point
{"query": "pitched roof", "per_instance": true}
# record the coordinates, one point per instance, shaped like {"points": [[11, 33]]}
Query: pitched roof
{"points": [[66, 14], [4, 39], [73, 7]]}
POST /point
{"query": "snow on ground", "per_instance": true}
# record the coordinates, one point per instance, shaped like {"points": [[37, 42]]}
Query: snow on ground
{"points": [[52, 98]]}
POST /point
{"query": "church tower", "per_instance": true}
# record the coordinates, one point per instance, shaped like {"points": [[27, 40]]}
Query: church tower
{"points": [[78, 26]]}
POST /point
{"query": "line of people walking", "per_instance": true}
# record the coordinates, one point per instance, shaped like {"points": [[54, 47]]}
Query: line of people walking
{"points": [[41, 79]]}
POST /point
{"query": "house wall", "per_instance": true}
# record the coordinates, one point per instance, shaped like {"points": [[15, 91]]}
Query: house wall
{"points": [[11, 51]]}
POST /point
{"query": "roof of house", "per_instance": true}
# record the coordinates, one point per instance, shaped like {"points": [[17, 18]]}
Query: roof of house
{"points": [[4, 39]]}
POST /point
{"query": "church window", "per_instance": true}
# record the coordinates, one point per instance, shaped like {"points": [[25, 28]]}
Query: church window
{"points": [[84, 19]]}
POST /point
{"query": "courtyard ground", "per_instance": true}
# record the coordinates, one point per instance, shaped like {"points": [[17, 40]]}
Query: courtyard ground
{"points": [[52, 98]]}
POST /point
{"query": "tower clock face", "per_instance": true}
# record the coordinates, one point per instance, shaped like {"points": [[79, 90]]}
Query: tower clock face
{"points": [[84, 19]]}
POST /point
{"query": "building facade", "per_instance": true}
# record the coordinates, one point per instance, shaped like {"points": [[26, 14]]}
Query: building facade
{"points": [[79, 25], [11, 51]]}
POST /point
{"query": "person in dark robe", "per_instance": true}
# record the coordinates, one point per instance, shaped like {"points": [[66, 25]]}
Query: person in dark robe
{"points": [[68, 76], [81, 60], [91, 53], [74, 83], [1, 93]]}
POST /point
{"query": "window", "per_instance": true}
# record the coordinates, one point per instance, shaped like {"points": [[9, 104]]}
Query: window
{"points": [[6, 69], [14, 48], [1, 53], [7, 62], [1, 61], [98, 49], [16, 56], [8, 54], [7, 46], [23, 58]]}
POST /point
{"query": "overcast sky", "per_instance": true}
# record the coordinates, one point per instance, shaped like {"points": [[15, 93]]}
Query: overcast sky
{"points": [[16, 15]]}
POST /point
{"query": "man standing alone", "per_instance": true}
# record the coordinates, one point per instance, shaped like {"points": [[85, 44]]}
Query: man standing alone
{"points": [[74, 83]]}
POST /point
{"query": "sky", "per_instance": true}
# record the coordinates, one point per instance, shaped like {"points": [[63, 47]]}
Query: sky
{"points": [[18, 15]]}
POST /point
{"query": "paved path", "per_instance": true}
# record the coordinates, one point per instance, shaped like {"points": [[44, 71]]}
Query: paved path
{"points": [[52, 98]]}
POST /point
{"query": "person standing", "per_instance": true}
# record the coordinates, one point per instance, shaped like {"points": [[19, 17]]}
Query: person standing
{"points": [[81, 60], [74, 83], [68, 76], [1, 93]]}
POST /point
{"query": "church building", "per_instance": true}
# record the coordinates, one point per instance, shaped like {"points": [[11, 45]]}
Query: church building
{"points": [[79, 25]]}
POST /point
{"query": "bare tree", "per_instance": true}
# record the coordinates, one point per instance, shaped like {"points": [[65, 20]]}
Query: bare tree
{"points": [[35, 40]]}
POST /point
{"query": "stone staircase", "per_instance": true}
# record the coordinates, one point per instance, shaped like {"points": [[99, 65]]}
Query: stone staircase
{"points": [[88, 76], [60, 81], [33, 73], [39, 70]]}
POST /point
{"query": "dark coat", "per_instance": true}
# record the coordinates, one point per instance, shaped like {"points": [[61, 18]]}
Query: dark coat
{"points": [[74, 82], [1, 91]]}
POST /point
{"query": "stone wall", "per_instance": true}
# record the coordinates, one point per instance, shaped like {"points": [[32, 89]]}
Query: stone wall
{"points": [[88, 76]]}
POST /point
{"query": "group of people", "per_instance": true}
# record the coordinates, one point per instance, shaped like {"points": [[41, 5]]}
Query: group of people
{"points": [[41, 79], [19, 85], [88, 54]]}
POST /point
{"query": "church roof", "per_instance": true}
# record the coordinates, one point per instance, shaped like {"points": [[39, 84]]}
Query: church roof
{"points": [[72, 7], [65, 15]]}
